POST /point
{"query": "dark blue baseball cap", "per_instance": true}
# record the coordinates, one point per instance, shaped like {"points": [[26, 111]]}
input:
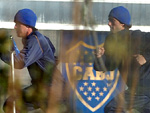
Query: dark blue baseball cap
{"points": [[121, 14], [26, 17]]}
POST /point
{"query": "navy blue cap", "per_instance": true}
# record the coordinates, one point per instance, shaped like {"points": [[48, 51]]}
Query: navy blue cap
{"points": [[121, 14], [26, 16]]}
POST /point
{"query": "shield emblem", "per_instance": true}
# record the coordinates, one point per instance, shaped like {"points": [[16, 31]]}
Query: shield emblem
{"points": [[93, 88]]}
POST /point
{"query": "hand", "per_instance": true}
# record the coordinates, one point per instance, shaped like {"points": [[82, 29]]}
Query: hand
{"points": [[100, 52], [140, 59]]}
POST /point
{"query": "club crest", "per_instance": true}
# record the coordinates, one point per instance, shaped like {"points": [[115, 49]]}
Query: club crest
{"points": [[92, 88]]}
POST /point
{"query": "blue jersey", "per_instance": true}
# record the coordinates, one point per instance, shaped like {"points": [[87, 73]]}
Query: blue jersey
{"points": [[37, 55]]}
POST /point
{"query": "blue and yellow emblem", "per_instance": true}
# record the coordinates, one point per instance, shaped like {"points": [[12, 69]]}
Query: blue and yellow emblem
{"points": [[92, 89]]}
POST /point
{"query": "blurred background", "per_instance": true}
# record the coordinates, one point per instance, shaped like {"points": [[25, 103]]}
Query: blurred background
{"points": [[57, 16]]}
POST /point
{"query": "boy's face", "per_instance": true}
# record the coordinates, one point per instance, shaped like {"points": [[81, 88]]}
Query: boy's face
{"points": [[115, 25], [21, 30]]}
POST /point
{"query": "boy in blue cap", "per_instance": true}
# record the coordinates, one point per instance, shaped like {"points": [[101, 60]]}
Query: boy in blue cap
{"points": [[129, 52], [38, 56]]}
